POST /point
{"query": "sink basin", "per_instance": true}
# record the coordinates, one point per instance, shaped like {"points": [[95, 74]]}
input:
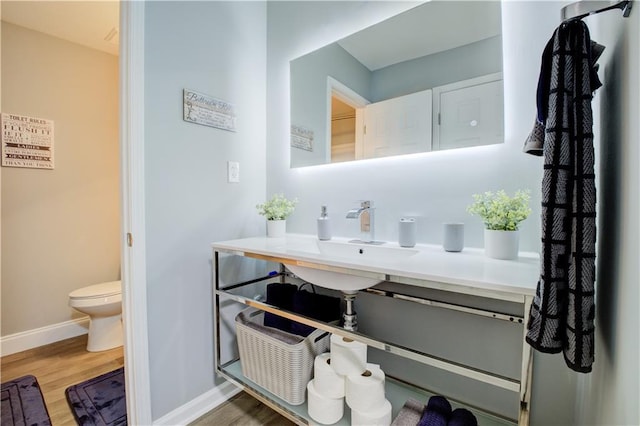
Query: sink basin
{"points": [[333, 280], [357, 251], [345, 251]]}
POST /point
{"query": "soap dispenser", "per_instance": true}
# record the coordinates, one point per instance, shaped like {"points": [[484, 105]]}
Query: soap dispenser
{"points": [[324, 225]]}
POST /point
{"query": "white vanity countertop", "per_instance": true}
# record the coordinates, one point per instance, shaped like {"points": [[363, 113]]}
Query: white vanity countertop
{"points": [[469, 271]]}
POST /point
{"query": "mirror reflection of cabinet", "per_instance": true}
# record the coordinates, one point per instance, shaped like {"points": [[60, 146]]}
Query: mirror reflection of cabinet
{"points": [[458, 115], [468, 113]]}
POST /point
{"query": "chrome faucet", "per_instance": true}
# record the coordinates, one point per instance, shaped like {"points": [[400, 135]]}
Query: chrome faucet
{"points": [[367, 222]]}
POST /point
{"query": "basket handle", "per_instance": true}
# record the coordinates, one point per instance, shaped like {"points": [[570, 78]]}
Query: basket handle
{"points": [[320, 337], [313, 287]]}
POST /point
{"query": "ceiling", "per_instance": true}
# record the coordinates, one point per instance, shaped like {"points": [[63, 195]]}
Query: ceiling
{"points": [[94, 23], [431, 27], [87, 22]]}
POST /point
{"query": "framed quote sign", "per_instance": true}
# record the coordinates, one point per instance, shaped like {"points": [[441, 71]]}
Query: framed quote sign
{"points": [[27, 142]]}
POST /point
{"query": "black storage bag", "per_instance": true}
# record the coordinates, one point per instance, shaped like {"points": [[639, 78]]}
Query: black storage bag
{"points": [[317, 306], [280, 295]]}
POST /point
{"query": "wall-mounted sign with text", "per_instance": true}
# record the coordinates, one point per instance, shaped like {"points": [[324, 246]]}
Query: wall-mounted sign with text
{"points": [[301, 138], [27, 142], [206, 110]]}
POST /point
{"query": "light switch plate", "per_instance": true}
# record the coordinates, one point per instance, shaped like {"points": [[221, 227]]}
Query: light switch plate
{"points": [[233, 171]]}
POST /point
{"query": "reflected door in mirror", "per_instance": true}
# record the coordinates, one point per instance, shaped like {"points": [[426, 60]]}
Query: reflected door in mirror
{"points": [[398, 126], [343, 131]]}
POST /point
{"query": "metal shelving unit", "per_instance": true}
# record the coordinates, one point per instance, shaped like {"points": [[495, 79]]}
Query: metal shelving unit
{"points": [[397, 391]]}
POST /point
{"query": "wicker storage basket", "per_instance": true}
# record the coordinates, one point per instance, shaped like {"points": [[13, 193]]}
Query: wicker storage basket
{"points": [[281, 368]]}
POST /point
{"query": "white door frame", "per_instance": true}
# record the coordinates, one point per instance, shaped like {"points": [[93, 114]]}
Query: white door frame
{"points": [[134, 283], [351, 98]]}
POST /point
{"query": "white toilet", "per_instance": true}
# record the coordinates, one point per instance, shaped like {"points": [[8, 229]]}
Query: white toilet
{"points": [[103, 303]]}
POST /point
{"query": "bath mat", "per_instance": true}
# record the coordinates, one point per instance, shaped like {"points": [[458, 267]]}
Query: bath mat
{"points": [[23, 404], [99, 401]]}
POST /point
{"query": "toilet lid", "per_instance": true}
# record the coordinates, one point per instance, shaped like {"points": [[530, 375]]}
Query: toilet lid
{"points": [[97, 290]]}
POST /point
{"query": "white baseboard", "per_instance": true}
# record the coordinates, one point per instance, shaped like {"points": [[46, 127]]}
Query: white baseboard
{"points": [[30, 339], [198, 406]]}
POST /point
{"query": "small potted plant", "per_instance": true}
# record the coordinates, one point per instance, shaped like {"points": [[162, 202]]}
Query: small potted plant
{"points": [[501, 215], [276, 210]]}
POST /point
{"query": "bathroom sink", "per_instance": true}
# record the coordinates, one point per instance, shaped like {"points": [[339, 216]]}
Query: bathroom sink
{"points": [[347, 251], [333, 280], [361, 251]]}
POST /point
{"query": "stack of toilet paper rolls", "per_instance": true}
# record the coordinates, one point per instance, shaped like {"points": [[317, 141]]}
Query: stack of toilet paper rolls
{"points": [[343, 374]]}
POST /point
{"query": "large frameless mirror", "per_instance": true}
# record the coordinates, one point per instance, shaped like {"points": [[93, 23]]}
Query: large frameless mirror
{"points": [[427, 79]]}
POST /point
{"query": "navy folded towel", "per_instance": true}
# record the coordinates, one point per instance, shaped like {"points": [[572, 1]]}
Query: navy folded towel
{"points": [[313, 305], [281, 296], [462, 417], [436, 413]]}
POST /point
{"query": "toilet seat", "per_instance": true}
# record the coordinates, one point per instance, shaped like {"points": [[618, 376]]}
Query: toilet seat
{"points": [[103, 304], [97, 291]]}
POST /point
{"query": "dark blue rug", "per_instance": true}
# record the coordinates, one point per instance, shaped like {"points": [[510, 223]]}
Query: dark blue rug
{"points": [[99, 401], [23, 404]]}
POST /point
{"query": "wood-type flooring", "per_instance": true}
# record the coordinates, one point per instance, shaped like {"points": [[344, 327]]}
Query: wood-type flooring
{"points": [[62, 364], [58, 366]]}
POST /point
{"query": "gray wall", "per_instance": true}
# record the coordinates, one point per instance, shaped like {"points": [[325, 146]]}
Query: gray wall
{"points": [[462, 63], [217, 48], [60, 228], [435, 187], [609, 395]]}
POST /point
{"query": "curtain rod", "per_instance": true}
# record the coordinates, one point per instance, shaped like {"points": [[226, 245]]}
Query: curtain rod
{"points": [[582, 9]]}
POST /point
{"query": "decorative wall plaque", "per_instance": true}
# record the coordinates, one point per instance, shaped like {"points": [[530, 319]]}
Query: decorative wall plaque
{"points": [[27, 142], [206, 110], [301, 138]]}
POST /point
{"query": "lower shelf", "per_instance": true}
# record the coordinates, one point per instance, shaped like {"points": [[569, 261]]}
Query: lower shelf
{"points": [[396, 392]]}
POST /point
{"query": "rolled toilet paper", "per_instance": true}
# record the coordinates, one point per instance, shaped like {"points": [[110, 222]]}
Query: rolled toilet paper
{"points": [[325, 379], [380, 416], [321, 408], [365, 392], [348, 356]]}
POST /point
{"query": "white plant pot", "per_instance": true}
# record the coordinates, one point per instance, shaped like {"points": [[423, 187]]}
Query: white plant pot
{"points": [[501, 244], [276, 228]]}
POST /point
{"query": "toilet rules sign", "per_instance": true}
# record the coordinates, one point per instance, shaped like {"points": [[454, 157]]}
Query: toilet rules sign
{"points": [[27, 141]]}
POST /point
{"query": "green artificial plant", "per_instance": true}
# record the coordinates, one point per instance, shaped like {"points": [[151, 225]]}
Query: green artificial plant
{"points": [[277, 208], [499, 211]]}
